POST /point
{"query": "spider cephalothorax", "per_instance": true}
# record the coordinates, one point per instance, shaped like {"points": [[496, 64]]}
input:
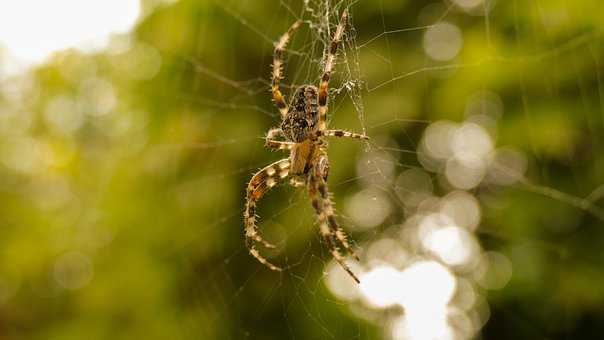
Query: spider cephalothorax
{"points": [[304, 128]]}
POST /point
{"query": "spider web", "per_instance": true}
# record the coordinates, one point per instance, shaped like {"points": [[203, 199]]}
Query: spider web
{"points": [[431, 202], [407, 159]]}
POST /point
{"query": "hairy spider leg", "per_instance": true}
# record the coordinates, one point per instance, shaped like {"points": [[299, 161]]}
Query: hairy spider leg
{"points": [[322, 165], [273, 143], [342, 133], [276, 75], [329, 61], [260, 183], [323, 210]]}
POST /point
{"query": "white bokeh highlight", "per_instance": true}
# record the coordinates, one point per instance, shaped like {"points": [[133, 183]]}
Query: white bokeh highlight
{"points": [[443, 41], [368, 208]]}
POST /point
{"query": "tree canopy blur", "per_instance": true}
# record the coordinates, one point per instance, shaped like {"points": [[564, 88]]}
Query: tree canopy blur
{"points": [[477, 206]]}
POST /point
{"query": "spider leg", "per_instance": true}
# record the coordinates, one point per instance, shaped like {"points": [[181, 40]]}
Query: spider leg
{"points": [[278, 97], [322, 167], [324, 212], [342, 133], [273, 143], [329, 61], [279, 145], [260, 183], [333, 223], [296, 182]]}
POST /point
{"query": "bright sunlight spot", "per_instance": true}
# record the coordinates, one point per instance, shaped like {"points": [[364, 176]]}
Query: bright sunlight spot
{"points": [[59, 24], [382, 286], [423, 290]]}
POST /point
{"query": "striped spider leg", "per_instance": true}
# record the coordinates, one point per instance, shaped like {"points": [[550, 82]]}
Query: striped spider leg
{"points": [[329, 229], [260, 183]]}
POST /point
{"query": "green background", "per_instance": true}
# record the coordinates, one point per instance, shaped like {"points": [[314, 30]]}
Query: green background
{"points": [[128, 224]]}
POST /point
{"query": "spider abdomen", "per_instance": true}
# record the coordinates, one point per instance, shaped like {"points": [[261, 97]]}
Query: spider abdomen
{"points": [[302, 117]]}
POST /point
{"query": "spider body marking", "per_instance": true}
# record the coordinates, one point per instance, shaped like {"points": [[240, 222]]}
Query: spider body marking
{"points": [[301, 119], [304, 129]]}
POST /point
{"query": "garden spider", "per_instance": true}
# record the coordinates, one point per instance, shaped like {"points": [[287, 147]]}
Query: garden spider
{"points": [[304, 127]]}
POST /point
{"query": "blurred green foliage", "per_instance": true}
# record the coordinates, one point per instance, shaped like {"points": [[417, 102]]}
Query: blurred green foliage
{"points": [[126, 222]]}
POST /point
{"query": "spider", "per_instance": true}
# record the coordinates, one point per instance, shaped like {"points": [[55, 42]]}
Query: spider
{"points": [[304, 128]]}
